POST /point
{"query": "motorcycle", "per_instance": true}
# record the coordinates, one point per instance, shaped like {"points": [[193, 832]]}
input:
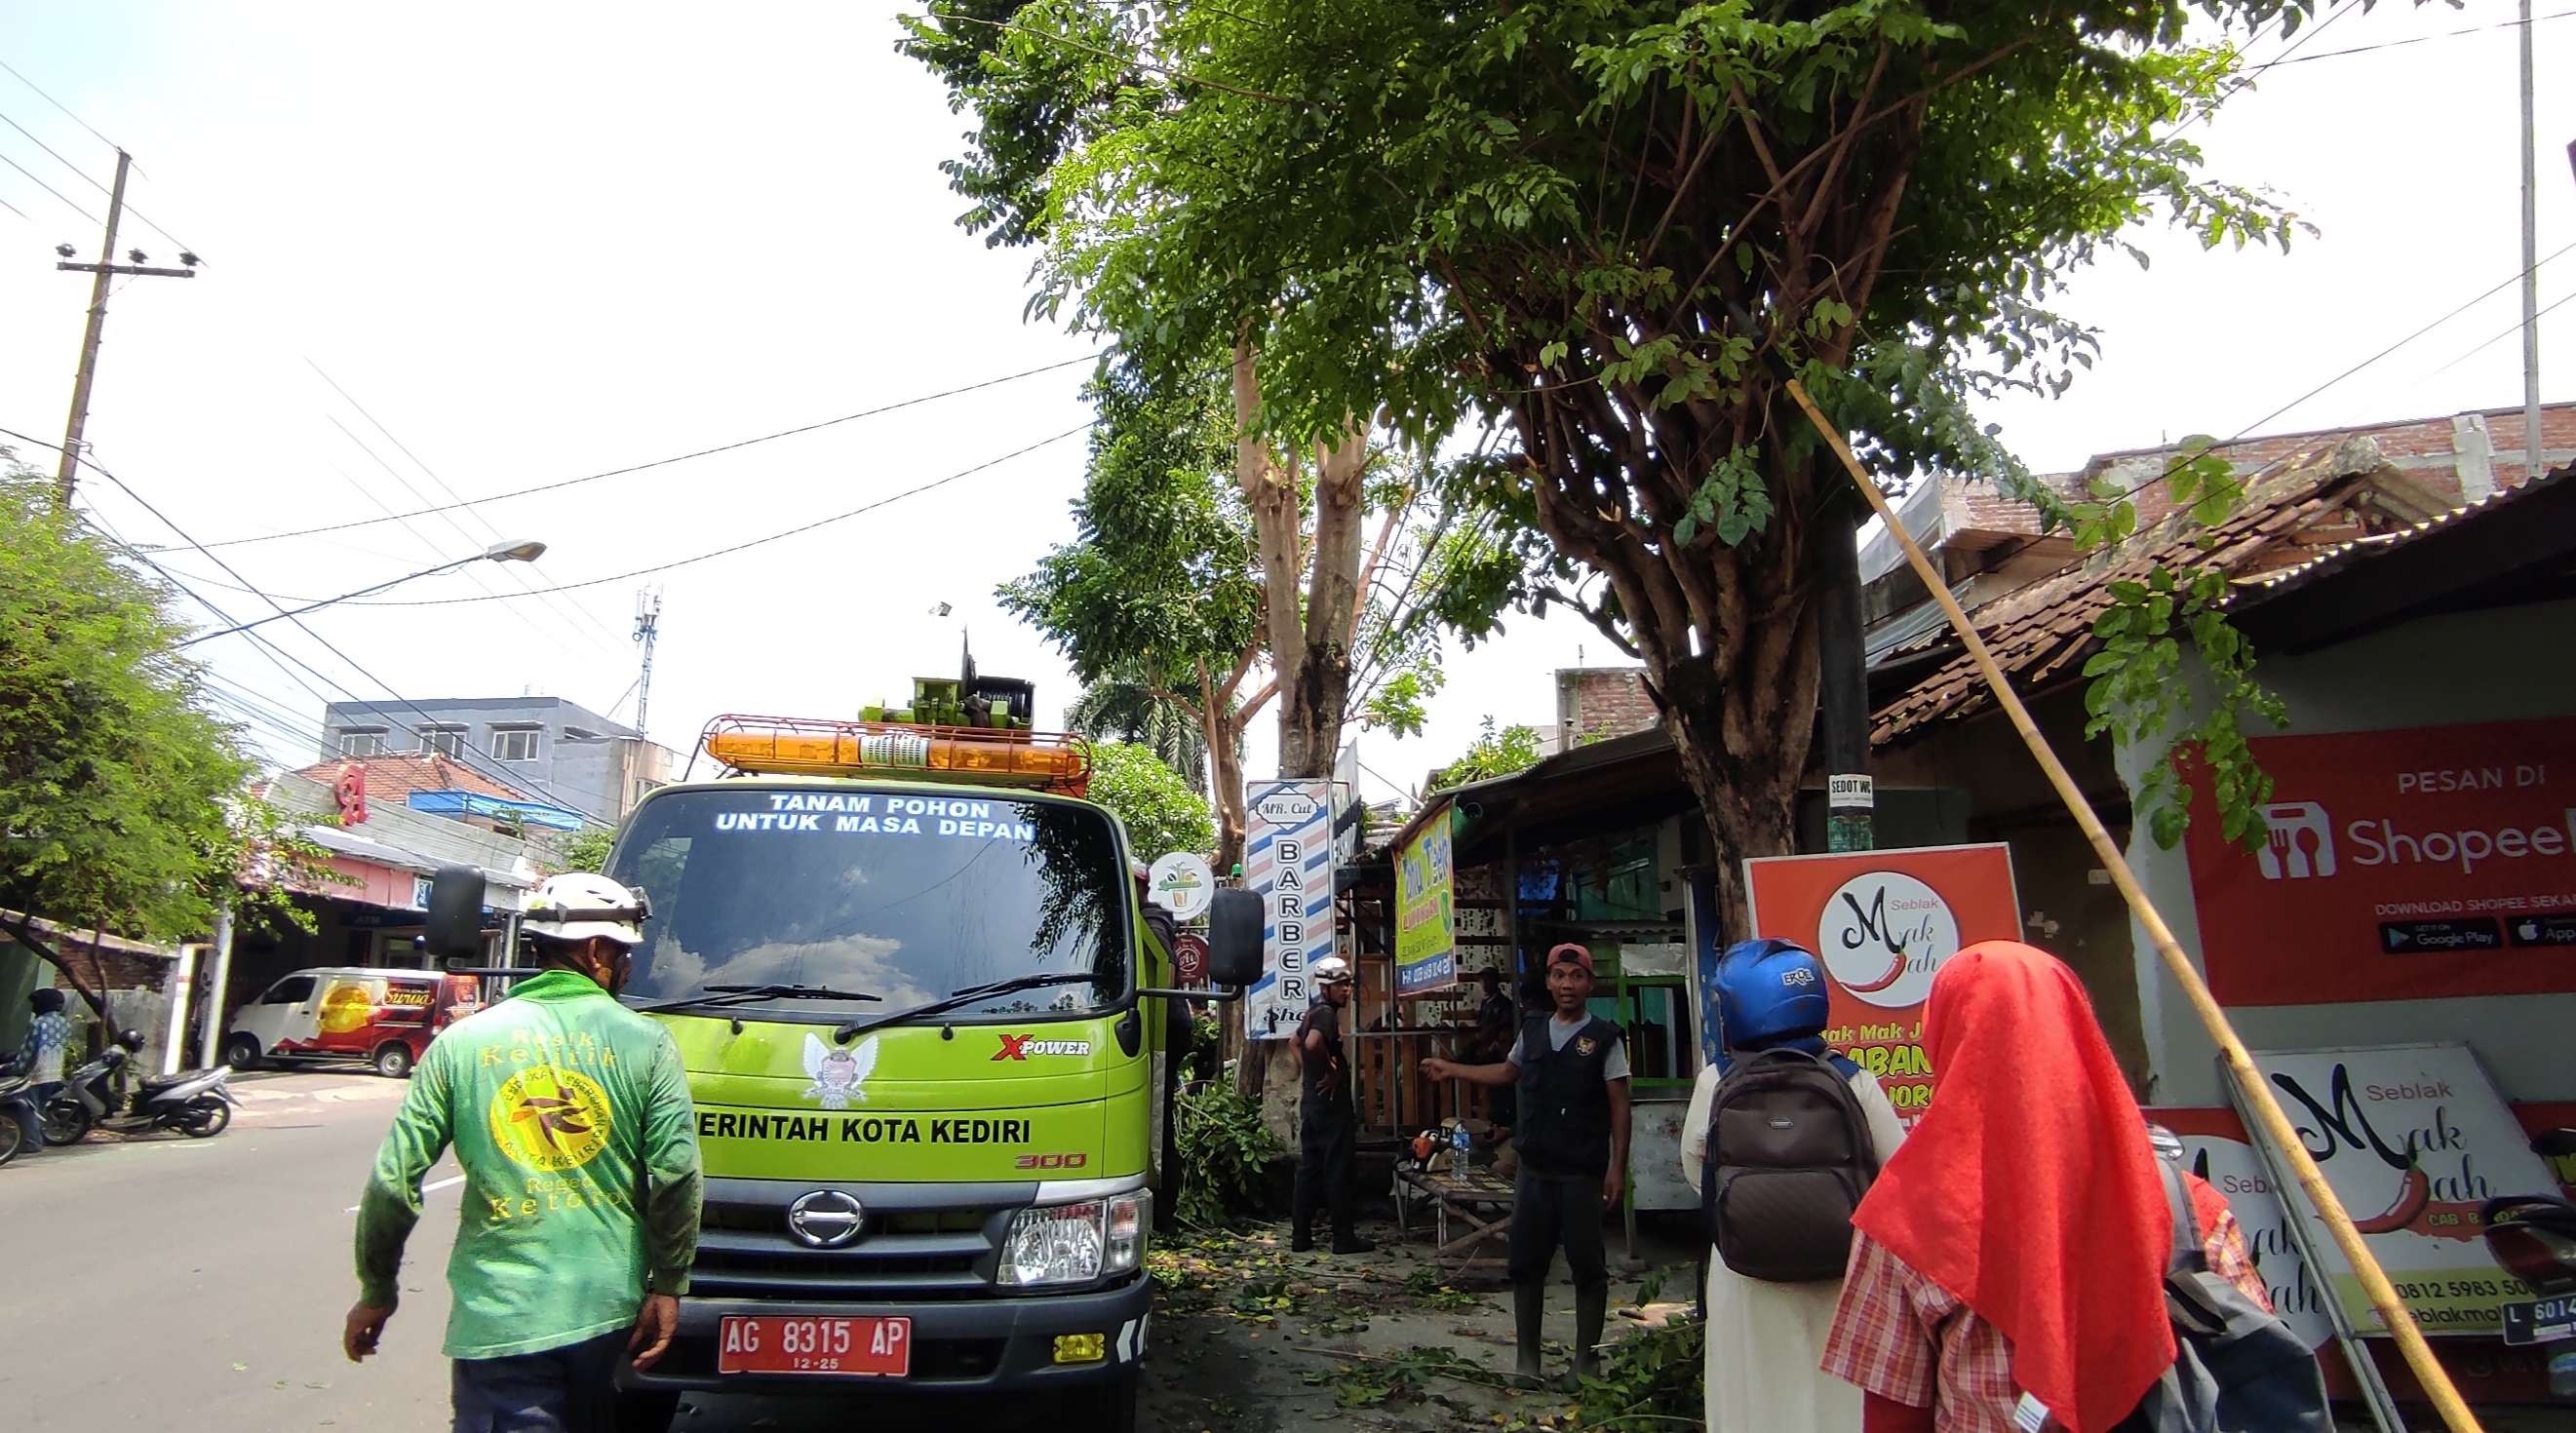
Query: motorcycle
{"points": [[2533, 1238], [196, 1103], [18, 1118]]}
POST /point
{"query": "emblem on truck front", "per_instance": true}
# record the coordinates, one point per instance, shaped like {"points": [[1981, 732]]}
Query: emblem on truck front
{"points": [[837, 1073]]}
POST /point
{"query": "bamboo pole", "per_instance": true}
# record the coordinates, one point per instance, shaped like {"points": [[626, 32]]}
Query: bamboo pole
{"points": [[2267, 1109]]}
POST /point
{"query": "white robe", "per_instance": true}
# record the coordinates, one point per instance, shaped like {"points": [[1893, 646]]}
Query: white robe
{"points": [[1766, 1340]]}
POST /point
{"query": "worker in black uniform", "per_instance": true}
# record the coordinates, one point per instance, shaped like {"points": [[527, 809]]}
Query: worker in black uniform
{"points": [[1327, 1121], [1571, 1071]]}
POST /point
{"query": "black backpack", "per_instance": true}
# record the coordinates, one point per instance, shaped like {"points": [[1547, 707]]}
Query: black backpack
{"points": [[2236, 1368], [1789, 1156]]}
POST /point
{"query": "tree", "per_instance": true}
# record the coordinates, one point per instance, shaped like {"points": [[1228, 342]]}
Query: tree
{"points": [[121, 797], [1161, 811], [1162, 602], [587, 849], [1127, 706], [1494, 753], [1616, 228]]}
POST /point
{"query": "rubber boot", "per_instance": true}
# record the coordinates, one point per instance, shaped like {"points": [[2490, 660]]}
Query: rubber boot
{"points": [[1591, 1307], [1345, 1242], [1529, 1313]]}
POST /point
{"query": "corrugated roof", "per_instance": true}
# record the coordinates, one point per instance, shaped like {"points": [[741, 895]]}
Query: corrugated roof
{"points": [[2343, 493], [2342, 555]]}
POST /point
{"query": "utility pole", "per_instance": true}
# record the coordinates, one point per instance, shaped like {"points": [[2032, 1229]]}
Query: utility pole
{"points": [[648, 625], [1842, 689], [2531, 444], [66, 478]]}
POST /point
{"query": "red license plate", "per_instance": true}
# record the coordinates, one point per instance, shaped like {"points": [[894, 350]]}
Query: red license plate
{"points": [[844, 1347]]}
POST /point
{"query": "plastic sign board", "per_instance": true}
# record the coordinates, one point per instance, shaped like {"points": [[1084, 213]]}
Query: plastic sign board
{"points": [[1426, 915], [2400, 865], [1190, 958], [1883, 922], [1182, 884], [2413, 1139], [1288, 862]]}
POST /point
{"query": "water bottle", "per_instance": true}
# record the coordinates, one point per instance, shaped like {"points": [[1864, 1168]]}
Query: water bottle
{"points": [[1460, 1140]]}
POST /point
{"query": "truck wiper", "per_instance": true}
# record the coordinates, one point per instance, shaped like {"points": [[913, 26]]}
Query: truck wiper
{"points": [[957, 999], [718, 995]]}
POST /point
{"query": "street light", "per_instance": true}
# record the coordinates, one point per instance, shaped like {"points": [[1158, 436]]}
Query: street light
{"points": [[520, 550]]}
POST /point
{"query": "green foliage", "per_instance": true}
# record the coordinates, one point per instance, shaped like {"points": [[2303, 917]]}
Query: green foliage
{"points": [[1126, 706], [121, 801], [1161, 811], [1225, 1151], [1402, 703], [1494, 753], [1646, 1378], [587, 849], [1612, 228], [2137, 688]]}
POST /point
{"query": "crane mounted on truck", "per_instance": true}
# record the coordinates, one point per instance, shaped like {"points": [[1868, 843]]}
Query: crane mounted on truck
{"points": [[929, 1033]]}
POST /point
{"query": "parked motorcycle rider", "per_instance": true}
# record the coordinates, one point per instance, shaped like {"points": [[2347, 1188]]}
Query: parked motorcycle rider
{"points": [[40, 1056]]}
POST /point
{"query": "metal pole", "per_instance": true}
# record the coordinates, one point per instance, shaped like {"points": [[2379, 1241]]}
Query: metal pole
{"points": [[210, 1004], [2531, 444], [66, 477]]}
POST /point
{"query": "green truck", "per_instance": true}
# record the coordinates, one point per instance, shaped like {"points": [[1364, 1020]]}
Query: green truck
{"points": [[927, 1020]]}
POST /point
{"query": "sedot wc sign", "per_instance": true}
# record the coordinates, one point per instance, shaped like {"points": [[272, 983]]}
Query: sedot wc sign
{"points": [[1288, 862]]}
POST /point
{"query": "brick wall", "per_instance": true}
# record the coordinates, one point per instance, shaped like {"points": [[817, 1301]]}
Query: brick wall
{"points": [[1597, 702], [2451, 456]]}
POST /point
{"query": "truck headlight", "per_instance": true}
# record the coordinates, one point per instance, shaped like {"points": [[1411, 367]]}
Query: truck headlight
{"points": [[1077, 1243]]}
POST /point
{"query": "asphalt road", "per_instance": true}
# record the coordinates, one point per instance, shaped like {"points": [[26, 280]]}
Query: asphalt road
{"points": [[166, 1282]]}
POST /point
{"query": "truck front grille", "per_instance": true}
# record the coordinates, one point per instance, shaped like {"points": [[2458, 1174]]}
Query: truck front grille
{"points": [[746, 1251]]}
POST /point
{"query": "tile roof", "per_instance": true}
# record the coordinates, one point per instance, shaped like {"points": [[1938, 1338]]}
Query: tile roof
{"points": [[2338, 493]]}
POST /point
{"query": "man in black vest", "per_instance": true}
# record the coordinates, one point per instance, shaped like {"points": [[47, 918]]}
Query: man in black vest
{"points": [[1327, 1122], [1571, 1070]]}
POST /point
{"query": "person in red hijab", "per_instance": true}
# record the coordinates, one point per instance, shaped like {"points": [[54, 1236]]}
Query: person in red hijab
{"points": [[2009, 1261]]}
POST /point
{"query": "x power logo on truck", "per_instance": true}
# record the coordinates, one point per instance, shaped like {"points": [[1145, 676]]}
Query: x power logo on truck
{"points": [[1021, 1047]]}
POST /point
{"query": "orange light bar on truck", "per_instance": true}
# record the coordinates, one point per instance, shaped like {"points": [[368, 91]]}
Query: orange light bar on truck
{"points": [[797, 746]]}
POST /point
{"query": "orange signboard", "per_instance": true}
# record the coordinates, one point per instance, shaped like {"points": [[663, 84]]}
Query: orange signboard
{"points": [[2401, 865], [1883, 922]]}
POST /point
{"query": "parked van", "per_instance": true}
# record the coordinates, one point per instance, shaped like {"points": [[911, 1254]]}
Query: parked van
{"points": [[384, 1017]]}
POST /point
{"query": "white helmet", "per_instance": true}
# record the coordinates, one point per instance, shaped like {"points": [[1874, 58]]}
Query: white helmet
{"points": [[1332, 970], [578, 905]]}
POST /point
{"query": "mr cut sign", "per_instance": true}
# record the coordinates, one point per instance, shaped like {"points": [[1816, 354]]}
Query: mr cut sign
{"points": [[1286, 808]]}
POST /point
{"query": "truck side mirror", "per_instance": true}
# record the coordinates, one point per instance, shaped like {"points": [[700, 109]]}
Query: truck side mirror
{"points": [[455, 919], [1234, 938]]}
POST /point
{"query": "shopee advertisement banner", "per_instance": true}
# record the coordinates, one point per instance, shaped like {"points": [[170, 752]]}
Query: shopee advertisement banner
{"points": [[1883, 922], [2400, 865], [2413, 1139]]}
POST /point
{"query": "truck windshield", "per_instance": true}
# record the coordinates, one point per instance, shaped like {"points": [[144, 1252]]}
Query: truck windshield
{"points": [[904, 895]]}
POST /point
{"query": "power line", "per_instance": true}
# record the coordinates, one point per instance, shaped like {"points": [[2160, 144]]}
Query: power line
{"points": [[93, 182], [14, 209], [466, 749], [449, 518], [2499, 338], [2513, 24], [58, 104], [797, 531], [2245, 82], [2181, 462], [660, 462], [32, 179]]}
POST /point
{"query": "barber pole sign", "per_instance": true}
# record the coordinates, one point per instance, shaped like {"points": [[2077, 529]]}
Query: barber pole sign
{"points": [[1288, 862]]}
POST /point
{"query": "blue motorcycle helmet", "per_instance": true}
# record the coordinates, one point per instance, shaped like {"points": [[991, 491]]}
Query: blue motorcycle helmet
{"points": [[1769, 993]]}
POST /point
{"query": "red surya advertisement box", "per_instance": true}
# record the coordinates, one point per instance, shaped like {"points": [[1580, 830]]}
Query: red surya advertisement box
{"points": [[2400, 865], [1883, 922]]}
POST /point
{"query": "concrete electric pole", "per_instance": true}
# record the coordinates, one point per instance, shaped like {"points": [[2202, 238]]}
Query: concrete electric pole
{"points": [[66, 478], [648, 626]]}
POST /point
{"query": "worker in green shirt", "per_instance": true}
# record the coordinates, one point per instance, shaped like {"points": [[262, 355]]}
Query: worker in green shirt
{"points": [[570, 1115]]}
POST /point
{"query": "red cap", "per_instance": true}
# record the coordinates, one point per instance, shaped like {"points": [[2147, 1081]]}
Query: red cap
{"points": [[1571, 954]]}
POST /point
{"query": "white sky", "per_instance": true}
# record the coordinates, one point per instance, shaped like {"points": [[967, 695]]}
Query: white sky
{"points": [[538, 242]]}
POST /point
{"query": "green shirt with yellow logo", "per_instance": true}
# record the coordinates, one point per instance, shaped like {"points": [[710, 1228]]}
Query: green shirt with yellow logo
{"points": [[570, 1115]]}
